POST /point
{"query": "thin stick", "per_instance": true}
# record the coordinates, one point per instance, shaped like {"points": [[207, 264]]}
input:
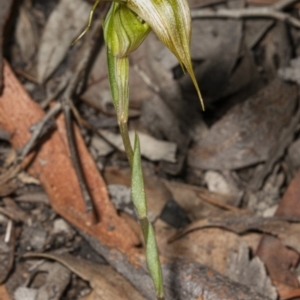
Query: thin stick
{"points": [[282, 4], [8, 231], [59, 89], [38, 130], [216, 202], [86, 52], [262, 12], [89, 22], [75, 159]]}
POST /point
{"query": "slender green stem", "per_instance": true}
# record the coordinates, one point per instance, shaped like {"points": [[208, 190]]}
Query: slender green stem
{"points": [[126, 140]]}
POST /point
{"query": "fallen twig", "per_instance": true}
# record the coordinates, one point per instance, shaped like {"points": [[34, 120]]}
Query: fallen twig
{"points": [[269, 12], [38, 128], [85, 55]]}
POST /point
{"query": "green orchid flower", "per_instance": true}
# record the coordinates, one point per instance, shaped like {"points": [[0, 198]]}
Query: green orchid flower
{"points": [[124, 31]]}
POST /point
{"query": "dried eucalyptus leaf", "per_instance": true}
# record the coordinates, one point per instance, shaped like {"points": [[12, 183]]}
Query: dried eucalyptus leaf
{"points": [[247, 132], [106, 282], [287, 230], [26, 35], [64, 24], [57, 280], [250, 272]]}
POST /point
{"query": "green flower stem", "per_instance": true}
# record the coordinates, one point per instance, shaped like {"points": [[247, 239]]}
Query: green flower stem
{"points": [[126, 140]]}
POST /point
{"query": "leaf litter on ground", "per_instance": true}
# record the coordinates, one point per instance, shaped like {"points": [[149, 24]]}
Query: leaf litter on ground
{"points": [[106, 283], [157, 85]]}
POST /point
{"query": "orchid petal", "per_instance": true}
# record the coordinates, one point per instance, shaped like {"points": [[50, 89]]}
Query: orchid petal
{"points": [[171, 21]]}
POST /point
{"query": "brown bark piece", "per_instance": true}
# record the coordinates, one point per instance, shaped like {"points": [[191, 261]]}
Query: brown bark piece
{"points": [[278, 259], [53, 167], [290, 203]]}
